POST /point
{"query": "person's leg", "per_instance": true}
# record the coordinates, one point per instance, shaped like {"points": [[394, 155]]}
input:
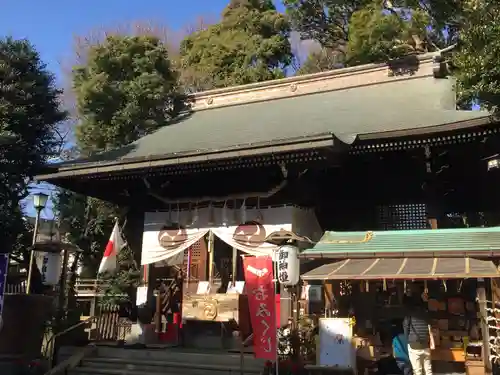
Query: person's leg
{"points": [[415, 360], [426, 361]]}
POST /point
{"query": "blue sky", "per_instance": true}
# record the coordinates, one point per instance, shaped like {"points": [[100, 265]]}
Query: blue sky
{"points": [[51, 26]]}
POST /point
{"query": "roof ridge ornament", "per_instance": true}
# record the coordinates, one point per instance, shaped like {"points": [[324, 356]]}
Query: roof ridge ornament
{"points": [[441, 67], [367, 238]]}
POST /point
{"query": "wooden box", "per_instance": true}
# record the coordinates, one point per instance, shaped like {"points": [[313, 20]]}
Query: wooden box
{"points": [[211, 307], [474, 368]]}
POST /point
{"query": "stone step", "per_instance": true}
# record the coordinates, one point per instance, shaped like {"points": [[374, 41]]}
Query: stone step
{"points": [[151, 366], [92, 371], [179, 355]]}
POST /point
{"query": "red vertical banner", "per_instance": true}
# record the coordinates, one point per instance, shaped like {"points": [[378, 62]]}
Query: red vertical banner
{"points": [[262, 304]]}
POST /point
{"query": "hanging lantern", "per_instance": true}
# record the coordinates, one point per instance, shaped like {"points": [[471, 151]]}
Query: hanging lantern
{"points": [[288, 265], [49, 265]]}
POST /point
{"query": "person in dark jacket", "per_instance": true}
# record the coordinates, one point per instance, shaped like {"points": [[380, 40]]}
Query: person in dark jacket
{"points": [[420, 340]]}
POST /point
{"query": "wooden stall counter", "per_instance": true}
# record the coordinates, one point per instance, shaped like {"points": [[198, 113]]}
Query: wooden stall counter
{"points": [[448, 355]]}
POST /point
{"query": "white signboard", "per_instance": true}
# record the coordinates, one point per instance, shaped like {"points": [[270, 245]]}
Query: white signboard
{"points": [[335, 343]]}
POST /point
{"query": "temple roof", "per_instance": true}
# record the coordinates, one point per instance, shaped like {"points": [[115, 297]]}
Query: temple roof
{"points": [[330, 108]]}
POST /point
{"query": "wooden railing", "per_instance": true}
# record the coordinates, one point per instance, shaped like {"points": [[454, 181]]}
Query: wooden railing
{"points": [[83, 287], [17, 288], [89, 287]]}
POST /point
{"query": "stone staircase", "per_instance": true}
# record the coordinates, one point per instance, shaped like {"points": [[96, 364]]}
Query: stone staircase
{"points": [[172, 361]]}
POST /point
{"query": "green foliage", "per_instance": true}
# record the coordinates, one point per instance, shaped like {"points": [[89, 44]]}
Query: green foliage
{"points": [[476, 61], [322, 60], [126, 89], [375, 30], [88, 223], [325, 21], [29, 117], [378, 35], [249, 44], [120, 286]]}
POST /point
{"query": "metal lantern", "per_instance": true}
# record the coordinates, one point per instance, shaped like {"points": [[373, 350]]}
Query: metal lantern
{"points": [[288, 265]]}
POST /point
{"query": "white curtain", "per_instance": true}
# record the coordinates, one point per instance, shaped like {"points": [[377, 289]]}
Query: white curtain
{"points": [[168, 246], [249, 237]]}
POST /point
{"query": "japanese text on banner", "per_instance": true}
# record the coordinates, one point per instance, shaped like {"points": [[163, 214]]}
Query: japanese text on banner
{"points": [[261, 301]]}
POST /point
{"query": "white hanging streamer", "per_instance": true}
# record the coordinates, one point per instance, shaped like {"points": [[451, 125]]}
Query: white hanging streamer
{"points": [[243, 212], [225, 220]]}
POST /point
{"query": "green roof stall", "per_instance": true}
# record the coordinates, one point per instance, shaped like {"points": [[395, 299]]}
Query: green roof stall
{"points": [[426, 243]]}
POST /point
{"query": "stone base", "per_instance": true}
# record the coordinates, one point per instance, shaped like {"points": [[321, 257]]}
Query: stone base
{"points": [[24, 322]]}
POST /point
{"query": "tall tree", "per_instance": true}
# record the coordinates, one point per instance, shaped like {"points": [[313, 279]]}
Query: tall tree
{"points": [[249, 44], [378, 33], [374, 30], [29, 117], [126, 89], [476, 59]]}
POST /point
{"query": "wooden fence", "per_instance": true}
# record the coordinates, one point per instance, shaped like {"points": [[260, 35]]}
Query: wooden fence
{"points": [[109, 326]]}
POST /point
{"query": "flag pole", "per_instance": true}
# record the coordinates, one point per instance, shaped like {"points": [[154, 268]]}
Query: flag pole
{"points": [[276, 317]]}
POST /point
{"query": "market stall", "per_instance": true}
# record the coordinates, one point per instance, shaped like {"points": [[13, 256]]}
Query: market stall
{"points": [[371, 295]]}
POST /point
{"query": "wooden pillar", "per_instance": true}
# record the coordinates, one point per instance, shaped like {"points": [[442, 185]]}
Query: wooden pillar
{"points": [[430, 189], [485, 332], [234, 264], [210, 256], [158, 312], [328, 297]]}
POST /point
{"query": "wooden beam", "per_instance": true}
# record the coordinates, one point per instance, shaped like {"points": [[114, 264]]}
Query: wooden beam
{"points": [[485, 332]]}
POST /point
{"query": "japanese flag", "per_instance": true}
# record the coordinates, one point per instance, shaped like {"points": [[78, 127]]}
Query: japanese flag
{"points": [[109, 261]]}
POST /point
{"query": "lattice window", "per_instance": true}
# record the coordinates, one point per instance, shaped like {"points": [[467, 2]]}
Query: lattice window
{"points": [[198, 260], [402, 217]]}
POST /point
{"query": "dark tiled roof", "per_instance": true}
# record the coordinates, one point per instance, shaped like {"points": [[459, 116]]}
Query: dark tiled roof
{"points": [[347, 113]]}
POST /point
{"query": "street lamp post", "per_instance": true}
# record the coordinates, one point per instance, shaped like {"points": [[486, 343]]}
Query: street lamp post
{"points": [[39, 201]]}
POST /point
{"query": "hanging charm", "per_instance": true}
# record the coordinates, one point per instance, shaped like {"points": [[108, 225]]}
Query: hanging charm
{"points": [[367, 286], [460, 284], [384, 285], [425, 294], [445, 287]]}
